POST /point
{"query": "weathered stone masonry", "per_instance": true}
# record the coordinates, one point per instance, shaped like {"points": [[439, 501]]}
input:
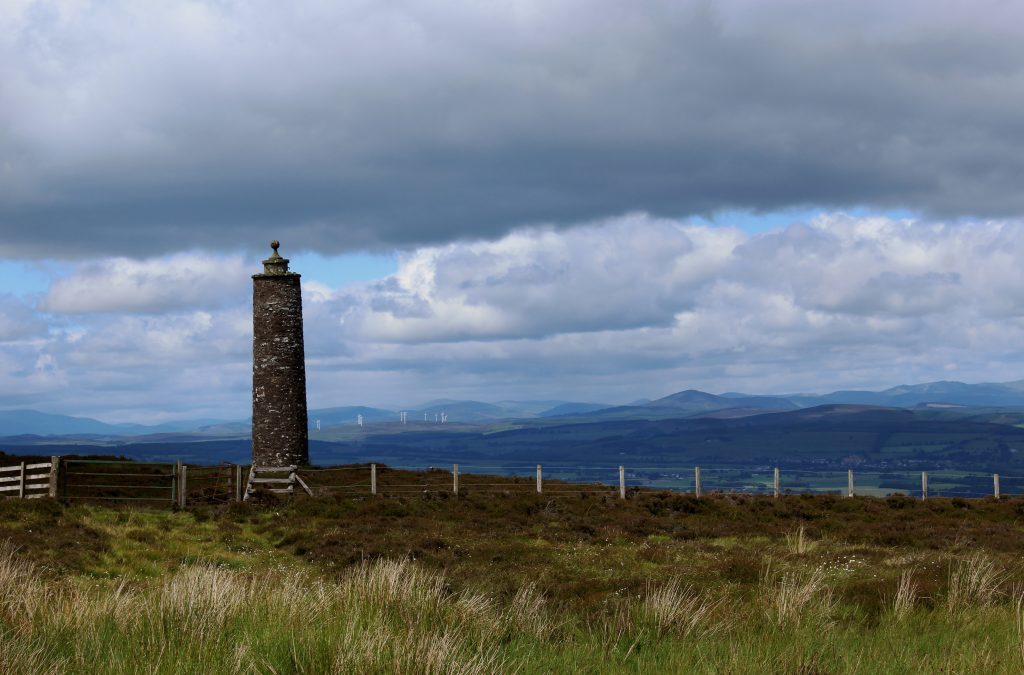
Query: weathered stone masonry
{"points": [[280, 435]]}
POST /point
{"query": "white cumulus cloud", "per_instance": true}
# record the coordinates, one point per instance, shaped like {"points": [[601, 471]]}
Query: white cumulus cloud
{"points": [[623, 308], [154, 285]]}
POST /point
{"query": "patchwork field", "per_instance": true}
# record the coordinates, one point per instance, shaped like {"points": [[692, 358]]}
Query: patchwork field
{"points": [[514, 581]]}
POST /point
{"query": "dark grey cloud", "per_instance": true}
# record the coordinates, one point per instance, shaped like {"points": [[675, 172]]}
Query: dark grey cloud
{"points": [[143, 128]]}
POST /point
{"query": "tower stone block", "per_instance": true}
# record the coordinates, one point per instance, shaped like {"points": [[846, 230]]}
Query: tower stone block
{"points": [[280, 435]]}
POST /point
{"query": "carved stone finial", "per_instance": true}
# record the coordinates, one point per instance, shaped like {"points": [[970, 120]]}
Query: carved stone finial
{"points": [[275, 264]]}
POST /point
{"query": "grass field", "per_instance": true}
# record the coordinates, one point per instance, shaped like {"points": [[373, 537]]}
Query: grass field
{"points": [[514, 581]]}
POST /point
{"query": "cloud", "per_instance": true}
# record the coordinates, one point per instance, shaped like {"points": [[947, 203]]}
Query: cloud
{"points": [[183, 281], [839, 301], [640, 272], [18, 321], [630, 272], [135, 368], [139, 129], [618, 309]]}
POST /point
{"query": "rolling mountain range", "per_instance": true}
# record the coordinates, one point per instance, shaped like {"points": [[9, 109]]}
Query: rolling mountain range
{"points": [[830, 437], [1004, 395], [944, 399], [19, 422]]}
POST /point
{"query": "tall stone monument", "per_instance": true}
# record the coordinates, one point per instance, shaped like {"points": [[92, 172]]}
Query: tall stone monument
{"points": [[280, 436]]}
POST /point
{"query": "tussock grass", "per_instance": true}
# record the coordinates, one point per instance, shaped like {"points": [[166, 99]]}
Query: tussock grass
{"points": [[797, 542], [674, 608], [388, 616], [974, 581], [906, 596], [799, 596], [528, 614], [21, 588]]}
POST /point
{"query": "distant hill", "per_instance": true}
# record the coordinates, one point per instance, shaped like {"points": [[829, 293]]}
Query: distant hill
{"points": [[34, 422], [947, 400], [527, 409], [835, 413], [461, 411], [475, 412], [348, 415], [833, 436], [692, 401], [572, 409], [689, 403], [1008, 394]]}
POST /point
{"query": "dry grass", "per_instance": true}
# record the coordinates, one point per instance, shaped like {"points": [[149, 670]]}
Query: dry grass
{"points": [[799, 597], [25, 658], [674, 608], [202, 598], [1018, 605], [528, 613], [389, 616], [906, 596], [21, 588], [797, 542], [974, 581], [384, 649]]}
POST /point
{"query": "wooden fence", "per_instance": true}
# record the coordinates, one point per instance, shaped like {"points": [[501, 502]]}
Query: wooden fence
{"points": [[110, 480], [177, 484], [29, 480]]}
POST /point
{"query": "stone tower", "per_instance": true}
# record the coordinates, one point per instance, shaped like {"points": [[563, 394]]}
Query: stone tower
{"points": [[280, 436]]}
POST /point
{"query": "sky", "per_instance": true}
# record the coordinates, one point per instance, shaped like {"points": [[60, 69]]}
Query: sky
{"points": [[592, 201]]}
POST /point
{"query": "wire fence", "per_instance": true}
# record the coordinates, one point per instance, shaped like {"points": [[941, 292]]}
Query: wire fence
{"points": [[567, 478], [174, 483]]}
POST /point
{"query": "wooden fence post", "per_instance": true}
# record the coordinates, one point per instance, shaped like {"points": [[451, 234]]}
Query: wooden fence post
{"points": [[622, 482], [21, 482], [176, 483], [373, 479], [995, 485], [776, 481], [540, 480], [924, 485], [455, 479], [182, 484], [54, 470], [696, 481], [238, 482], [849, 482]]}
